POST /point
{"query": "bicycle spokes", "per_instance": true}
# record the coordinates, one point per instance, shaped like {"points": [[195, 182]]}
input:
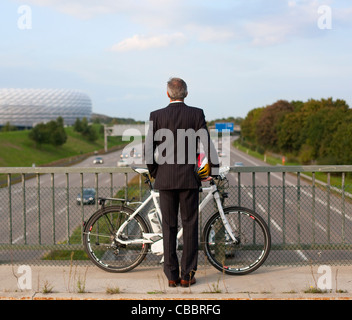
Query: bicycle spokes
{"points": [[252, 247], [106, 250]]}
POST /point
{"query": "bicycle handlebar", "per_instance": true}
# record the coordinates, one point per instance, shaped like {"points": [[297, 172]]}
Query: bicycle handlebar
{"points": [[223, 171]]}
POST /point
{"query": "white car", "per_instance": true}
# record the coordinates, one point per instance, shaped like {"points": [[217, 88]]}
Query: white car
{"points": [[122, 163], [238, 164]]}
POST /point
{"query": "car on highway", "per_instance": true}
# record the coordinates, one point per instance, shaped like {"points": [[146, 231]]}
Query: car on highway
{"points": [[89, 195], [98, 160], [238, 164], [122, 163]]}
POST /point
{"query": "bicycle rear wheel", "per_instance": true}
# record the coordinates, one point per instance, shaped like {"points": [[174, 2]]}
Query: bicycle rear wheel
{"points": [[100, 243], [254, 241]]}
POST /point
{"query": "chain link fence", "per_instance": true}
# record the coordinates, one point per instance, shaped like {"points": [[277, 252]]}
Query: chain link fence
{"points": [[42, 217]]}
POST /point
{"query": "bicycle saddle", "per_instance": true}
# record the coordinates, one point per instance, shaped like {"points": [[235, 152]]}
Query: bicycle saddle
{"points": [[141, 170]]}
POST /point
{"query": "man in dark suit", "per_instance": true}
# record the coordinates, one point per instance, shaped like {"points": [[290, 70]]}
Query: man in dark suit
{"points": [[175, 132]]}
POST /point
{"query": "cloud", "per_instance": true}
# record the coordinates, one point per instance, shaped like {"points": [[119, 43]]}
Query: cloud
{"points": [[297, 19], [266, 33], [255, 22], [87, 9], [205, 33], [140, 42]]}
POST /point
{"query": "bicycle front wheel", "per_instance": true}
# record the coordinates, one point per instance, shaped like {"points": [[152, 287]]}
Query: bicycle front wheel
{"points": [[101, 245], [247, 255]]}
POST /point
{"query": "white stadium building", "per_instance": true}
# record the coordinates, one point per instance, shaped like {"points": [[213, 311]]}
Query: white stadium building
{"points": [[27, 107]]}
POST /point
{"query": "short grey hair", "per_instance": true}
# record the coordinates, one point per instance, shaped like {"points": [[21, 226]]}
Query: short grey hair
{"points": [[177, 89]]}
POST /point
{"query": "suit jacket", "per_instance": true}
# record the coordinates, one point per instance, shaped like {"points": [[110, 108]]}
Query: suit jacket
{"points": [[175, 131]]}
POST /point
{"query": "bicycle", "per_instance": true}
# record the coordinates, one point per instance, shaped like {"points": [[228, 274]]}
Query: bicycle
{"points": [[117, 238]]}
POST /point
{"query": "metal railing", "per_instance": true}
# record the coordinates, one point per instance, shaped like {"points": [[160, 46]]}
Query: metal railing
{"points": [[308, 210]]}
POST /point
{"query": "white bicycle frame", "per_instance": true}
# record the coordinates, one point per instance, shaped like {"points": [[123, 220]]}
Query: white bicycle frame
{"points": [[152, 238]]}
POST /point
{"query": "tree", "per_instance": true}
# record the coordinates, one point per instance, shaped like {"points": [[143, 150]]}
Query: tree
{"points": [[85, 129], [57, 133], [269, 123], [77, 126], [84, 125], [249, 124], [340, 148], [315, 130], [52, 132], [321, 120], [289, 133], [39, 134], [90, 133]]}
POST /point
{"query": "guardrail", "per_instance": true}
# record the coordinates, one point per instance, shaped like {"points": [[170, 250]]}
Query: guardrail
{"points": [[310, 220]]}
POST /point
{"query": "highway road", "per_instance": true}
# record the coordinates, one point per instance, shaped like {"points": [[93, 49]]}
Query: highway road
{"points": [[57, 218], [296, 217]]}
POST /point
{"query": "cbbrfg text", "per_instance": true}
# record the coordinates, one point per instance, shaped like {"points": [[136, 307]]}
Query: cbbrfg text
{"points": [[193, 309]]}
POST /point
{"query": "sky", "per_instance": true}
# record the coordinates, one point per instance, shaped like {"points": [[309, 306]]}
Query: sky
{"points": [[234, 55]]}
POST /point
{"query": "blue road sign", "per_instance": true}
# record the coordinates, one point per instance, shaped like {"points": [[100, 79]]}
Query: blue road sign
{"points": [[224, 126]]}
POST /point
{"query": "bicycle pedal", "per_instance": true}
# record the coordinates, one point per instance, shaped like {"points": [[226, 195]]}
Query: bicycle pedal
{"points": [[152, 236], [157, 247]]}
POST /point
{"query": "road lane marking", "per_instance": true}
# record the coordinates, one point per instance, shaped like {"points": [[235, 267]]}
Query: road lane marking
{"points": [[308, 194], [299, 252], [62, 210], [19, 238], [303, 256], [317, 199], [264, 211], [241, 156]]}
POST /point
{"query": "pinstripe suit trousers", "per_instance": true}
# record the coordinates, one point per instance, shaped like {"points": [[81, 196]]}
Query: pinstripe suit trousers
{"points": [[170, 201]]}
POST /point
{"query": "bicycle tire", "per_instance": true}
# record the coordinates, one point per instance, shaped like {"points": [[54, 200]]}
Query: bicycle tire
{"points": [[100, 243], [252, 250]]}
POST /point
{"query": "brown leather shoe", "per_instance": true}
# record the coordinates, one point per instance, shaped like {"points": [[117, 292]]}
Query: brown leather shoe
{"points": [[188, 283], [174, 283]]}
